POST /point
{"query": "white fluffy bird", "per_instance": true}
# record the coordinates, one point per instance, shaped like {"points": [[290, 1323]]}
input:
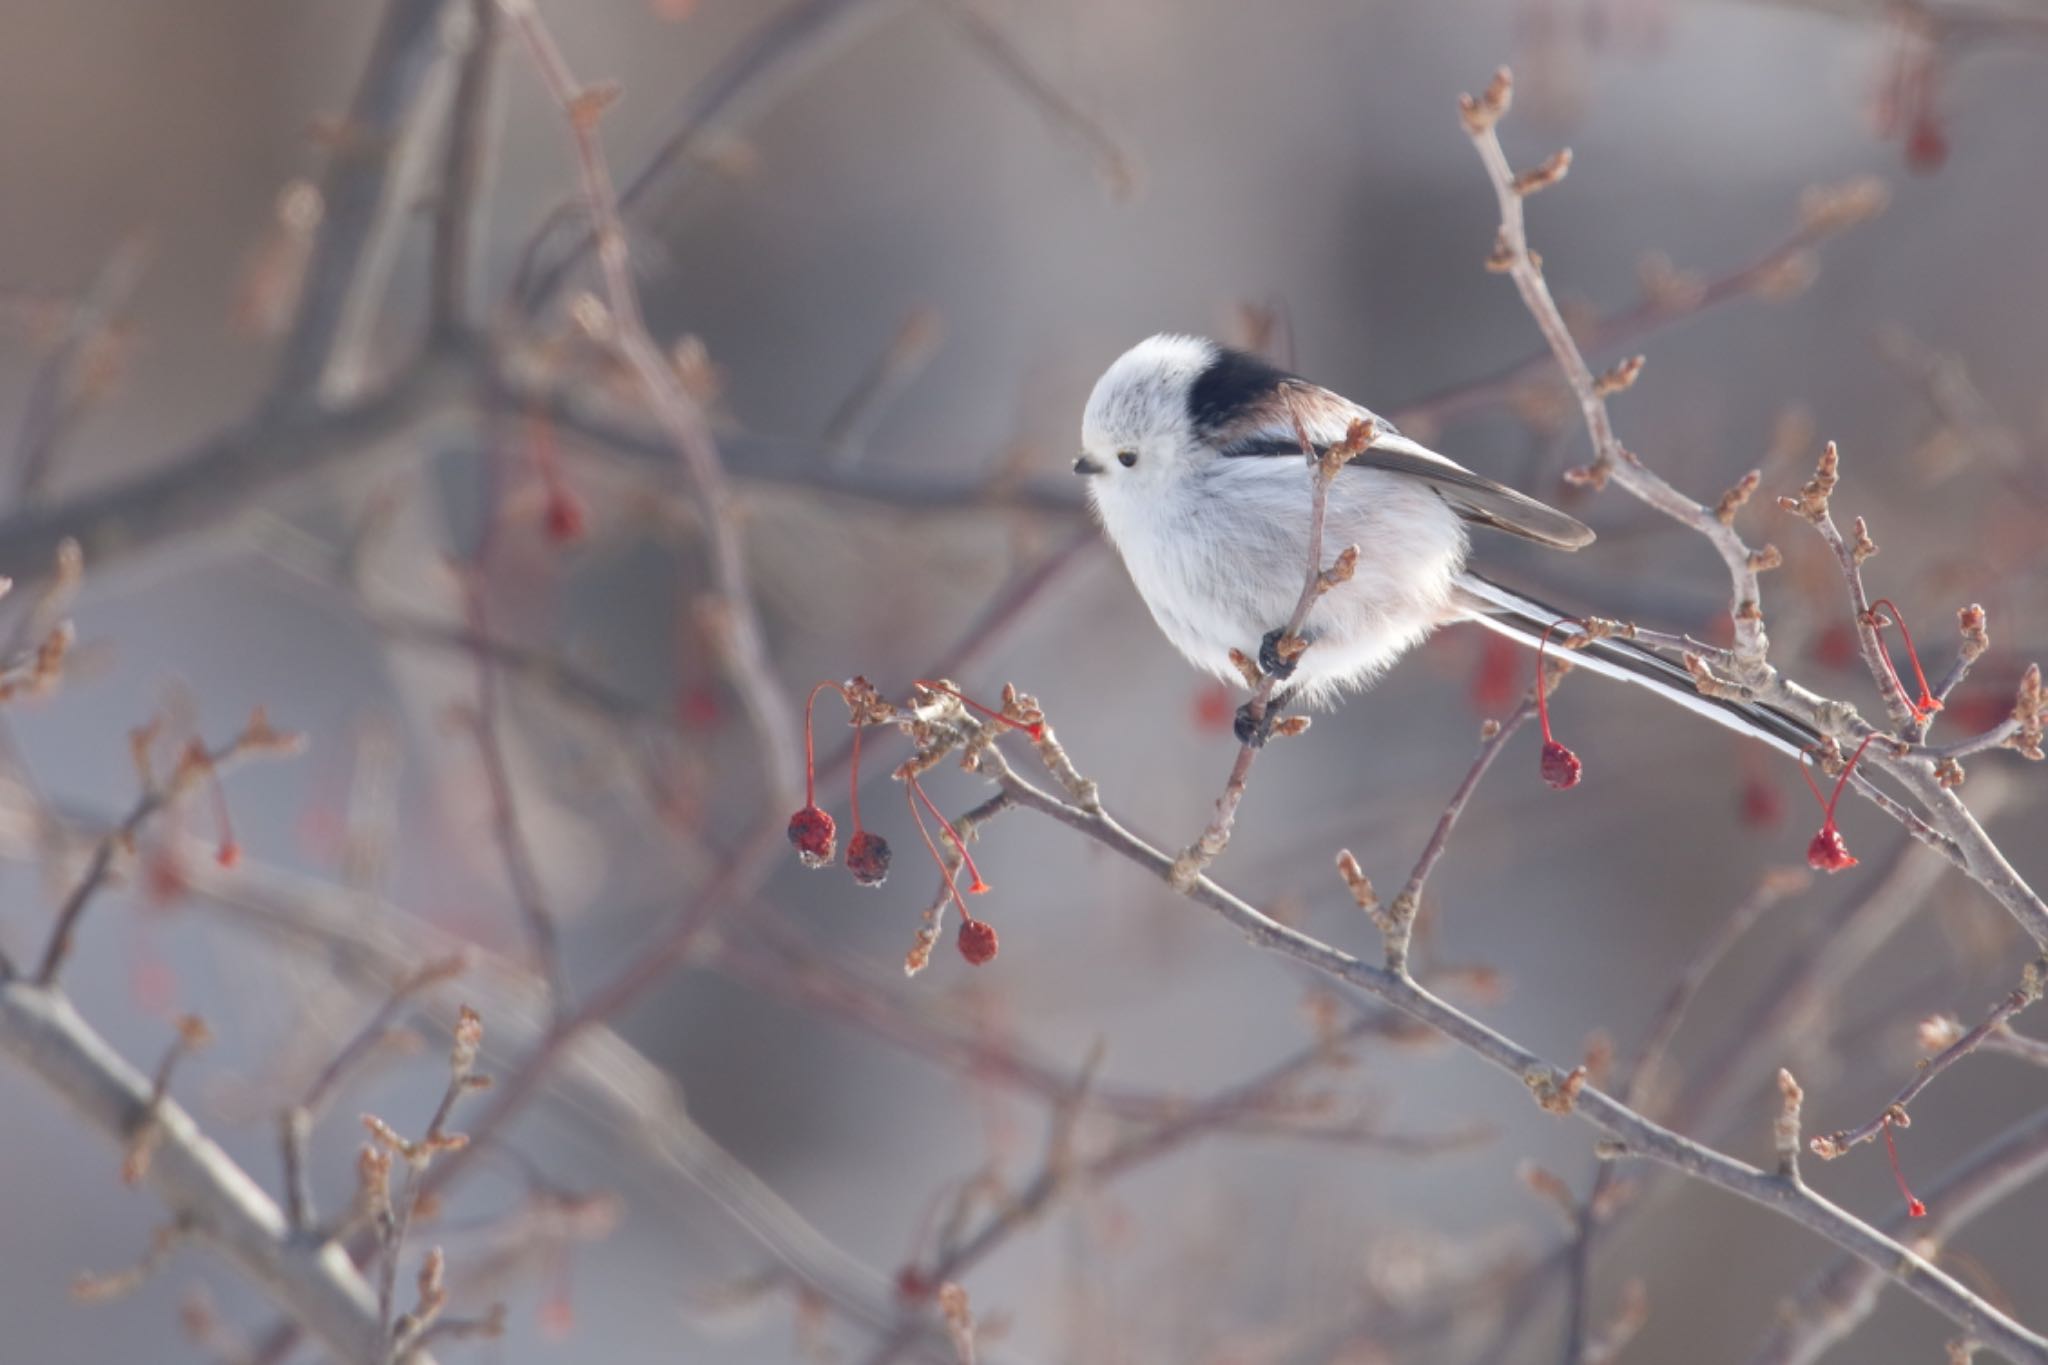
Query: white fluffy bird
{"points": [[1197, 473]]}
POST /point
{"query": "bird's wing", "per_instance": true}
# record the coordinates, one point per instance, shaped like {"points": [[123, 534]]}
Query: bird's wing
{"points": [[1268, 431]]}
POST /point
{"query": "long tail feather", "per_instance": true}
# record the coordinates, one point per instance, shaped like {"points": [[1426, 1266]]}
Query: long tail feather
{"points": [[1525, 620]]}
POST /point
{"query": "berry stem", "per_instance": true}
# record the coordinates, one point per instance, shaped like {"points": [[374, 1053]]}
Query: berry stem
{"points": [[1914, 1208], [1542, 691], [1928, 703], [1827, 803], [978, 886], [810, 757], [853, 778], [1035, 731], [949, 873]]}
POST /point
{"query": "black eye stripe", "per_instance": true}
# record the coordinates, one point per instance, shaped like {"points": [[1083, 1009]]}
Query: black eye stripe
{"points": [[1127, 458]]}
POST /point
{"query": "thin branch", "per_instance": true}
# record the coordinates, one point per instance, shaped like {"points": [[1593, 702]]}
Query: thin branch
{"points": [[1810, 1322], [65, 381], [1831, 1145], [196, 766], [190, 1174], [295, 1124], [361, 206], [465, 171], [1323, 467], [1398, 924], [744, 651], [1556, 1090]]}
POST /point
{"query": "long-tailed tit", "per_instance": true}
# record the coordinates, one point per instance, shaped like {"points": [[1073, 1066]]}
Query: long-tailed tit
{"points": [[1196, 470]]}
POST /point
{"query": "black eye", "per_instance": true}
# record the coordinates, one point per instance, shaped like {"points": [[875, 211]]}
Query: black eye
{"points": [[1127, 458]]}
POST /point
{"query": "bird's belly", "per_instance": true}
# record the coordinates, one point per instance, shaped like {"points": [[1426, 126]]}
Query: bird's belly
{"points": [[1221, 583]]}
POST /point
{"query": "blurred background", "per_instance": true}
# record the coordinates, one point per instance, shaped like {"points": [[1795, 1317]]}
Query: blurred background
{"points": [[900, 254]]}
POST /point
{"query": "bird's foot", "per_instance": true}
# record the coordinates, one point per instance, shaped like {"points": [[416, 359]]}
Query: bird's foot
{"points": [[1254, 723], [1272, 660]]}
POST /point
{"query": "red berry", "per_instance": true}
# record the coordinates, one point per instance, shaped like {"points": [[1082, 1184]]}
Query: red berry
{"points": [[1561, 766], [1828, 852], [565, 516], [1762, 807], [813, 833], [1926, 145], [977, 941], [867, 858]]}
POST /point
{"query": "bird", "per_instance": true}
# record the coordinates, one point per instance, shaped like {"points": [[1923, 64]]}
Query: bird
{"points": [[1195, 470]]}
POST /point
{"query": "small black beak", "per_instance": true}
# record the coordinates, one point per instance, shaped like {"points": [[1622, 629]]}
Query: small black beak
{"points": [[1086, 465]]}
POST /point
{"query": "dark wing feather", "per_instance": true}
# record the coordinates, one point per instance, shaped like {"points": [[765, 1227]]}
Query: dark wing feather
{"points": [[1480, 499], [1472, 496]]}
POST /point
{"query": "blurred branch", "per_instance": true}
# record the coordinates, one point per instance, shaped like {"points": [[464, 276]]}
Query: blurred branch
{"points": [[361, 196], [75, 368], [774, 59], [465, 171], [311, 1281], [735, 621], [1825, 212]]}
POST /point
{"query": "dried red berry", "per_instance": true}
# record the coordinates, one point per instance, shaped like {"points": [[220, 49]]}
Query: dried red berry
{"points": [[1560, 766], [867, 858], [977, 941], [1926, 144], [1914, 1208], [1762, 807], [565, 517], [1828, 852], [814, 835]]}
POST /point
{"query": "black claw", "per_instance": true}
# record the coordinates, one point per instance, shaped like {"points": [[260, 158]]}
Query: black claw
{"points": [[1254, 723], [1269, 655]]}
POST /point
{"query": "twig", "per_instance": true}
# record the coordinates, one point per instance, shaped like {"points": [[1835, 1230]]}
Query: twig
{"points": [[465, 169], [898, 366], [1635, 1135], [193, 1177], [343, 278], [296, 1123], [744, 652], [1324, 466], [1843, 1293], [394, 1215], [774, 58], [1949, 823], [1832, 1145], [1398, 925], [197, 765], [64, 382]]}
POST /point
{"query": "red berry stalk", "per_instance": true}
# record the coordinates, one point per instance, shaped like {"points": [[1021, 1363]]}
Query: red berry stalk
{"points": [[1828, 852], [1560, 766], [1928, 703], [811, 830]]}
